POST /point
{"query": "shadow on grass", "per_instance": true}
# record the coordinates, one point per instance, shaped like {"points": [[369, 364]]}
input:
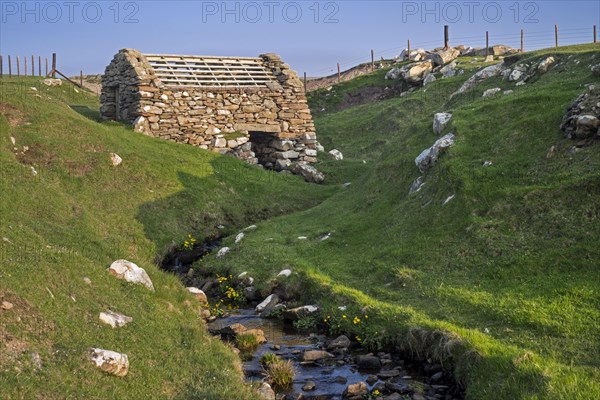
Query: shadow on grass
{"points": [[88, 112]]}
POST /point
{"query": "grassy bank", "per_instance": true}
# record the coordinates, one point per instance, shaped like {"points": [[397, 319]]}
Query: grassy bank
{"points": [[77, 213], [506, 272]]}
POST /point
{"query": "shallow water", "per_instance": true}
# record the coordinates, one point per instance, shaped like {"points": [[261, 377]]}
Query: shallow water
{"points": [[330, 377]]}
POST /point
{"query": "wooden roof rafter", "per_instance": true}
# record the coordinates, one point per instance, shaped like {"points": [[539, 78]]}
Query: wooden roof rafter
{"points": [[204, 71]]}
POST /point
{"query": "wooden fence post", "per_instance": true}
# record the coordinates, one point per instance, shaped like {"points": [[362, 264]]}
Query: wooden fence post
{"points": [[9, 67], [1, 67], [372, 60], [408, 54], [522, 40], [39, 65], [53, 65], [556, 34], [46, 66], [487, 44], [25, 65], [339, 75], [595, 40], [81, 77], [32, 66], [446, 36], [305, 83]]}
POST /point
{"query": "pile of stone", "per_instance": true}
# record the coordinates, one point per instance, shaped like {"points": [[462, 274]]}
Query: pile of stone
{"points": [[523, 73], [421, 71], [582, 120]]}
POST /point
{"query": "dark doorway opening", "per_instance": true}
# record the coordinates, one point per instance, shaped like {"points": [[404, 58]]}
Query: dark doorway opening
{"points": [[261, 146]]}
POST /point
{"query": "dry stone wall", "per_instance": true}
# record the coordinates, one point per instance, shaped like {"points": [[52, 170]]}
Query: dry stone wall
{"points": [[268, 125]]}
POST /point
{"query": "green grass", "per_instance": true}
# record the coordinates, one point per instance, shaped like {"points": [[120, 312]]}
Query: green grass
{"points": [[78, 215], [246, 342], [324, 100], [502, 282]]}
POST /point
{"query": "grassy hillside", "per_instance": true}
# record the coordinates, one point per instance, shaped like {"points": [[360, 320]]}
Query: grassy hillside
{"points": [[78, 214], [502, 281]]}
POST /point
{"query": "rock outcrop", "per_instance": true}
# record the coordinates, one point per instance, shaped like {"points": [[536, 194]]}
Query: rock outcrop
{"points": [[440, 122], [582, 120], [429, 156], [480, 76]]}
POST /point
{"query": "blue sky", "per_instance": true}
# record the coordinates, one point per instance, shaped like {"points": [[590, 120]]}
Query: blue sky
{"points": [[311, 36]]}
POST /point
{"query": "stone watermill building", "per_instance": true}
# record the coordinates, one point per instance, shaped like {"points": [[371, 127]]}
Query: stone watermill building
{"points": [[253, 108]]}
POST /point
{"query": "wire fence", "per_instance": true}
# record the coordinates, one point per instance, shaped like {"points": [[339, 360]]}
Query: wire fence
{"points": [[523, 40]]}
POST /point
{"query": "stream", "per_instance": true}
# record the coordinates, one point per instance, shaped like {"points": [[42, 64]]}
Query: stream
{"points": [[331, 377], [383, 375]]}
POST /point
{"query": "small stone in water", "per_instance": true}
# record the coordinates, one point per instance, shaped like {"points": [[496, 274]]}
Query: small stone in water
{"points": [[276, 347], [310, 385], [388, 374], [437, 376], [371, 379]]}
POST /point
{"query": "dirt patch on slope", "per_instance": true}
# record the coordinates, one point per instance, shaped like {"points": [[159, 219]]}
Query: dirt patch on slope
{"points": [[24, 334], [14, 116]]}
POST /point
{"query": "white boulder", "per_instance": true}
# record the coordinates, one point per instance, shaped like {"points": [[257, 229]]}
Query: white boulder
{"points": [[491, 92], [429, 156], [52, 82], [269, 302], [265, 391], [285, 273], [114, 319], [128, 271], [545, 64], [115, 159], [110, 361], [198, 294], [336, 154], [239, 237], [444, 56], [222, 252], [440, 122]]}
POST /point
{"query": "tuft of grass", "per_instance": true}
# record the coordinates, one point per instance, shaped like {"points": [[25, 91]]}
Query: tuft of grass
{"points": [[281, 374], [246, 342], [404, 276], [268, 359]]}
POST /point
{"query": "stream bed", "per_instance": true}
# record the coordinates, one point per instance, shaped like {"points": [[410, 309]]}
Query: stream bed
{"points": [[347, 372], [330, 378]]}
